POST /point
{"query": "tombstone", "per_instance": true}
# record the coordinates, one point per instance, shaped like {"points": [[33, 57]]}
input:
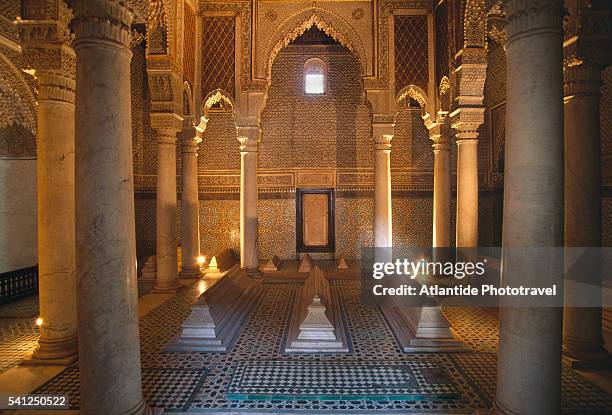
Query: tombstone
{"points": [[219, 314], [213, 269], [272, 265], [305, 264], [316, 324], [226, 259], [342, 265]]}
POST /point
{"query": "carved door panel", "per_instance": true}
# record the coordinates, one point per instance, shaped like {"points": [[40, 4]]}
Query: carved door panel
{"points": [[315, 220]]}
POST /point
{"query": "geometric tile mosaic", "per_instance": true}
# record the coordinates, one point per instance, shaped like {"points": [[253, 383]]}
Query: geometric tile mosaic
{"points": [[254, 376], [162, 388], [323, 380], [18, 331]]}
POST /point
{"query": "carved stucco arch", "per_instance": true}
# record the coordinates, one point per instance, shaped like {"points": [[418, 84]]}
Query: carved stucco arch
{"points": [[414, 92], [22, 89], [214, 97], [444, 92], [327, 21], [474, 23], [188, 103], [24, 109]]}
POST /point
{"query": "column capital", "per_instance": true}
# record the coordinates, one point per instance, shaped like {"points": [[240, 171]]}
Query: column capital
{"points": [[253, 132], [248, 145], [201, 128], [382, 142], [581, 79], [438, 128], [166, 124], [55, 86], [189, 131], [470, 77], [105, 21], [527, 16], [466, 122]]}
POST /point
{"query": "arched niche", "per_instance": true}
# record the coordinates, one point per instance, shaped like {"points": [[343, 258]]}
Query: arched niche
{"points": [[296, 24]]}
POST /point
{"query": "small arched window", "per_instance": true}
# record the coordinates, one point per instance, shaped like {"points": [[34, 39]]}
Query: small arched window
{"points": [[315, 77]]}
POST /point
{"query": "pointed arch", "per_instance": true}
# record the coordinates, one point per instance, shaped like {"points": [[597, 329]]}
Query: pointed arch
{"points": [[215, 97], [414, 92], [327, 21], [188, 103]]}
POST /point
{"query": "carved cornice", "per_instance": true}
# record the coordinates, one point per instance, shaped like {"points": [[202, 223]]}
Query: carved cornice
{"points": [[525, 16], [102, 20]]}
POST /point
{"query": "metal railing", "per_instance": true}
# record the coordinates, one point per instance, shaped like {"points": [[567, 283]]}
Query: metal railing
{"points": [[18, 283]]}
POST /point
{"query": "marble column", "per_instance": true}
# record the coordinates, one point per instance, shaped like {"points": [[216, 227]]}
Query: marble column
{"points": [[383, 230], [467, 187], [190, 206], [44, 36], [582, 337], [167, 127], [529, 362], [439, 135], [249, 222], [56, 240], [107, 295]]}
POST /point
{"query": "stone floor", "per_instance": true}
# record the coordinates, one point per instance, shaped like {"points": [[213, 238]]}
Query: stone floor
{"points": [[257, 377]]}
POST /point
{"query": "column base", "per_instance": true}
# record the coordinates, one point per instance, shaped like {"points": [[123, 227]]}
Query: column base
{"points": [[594, 357], [253, 272], [191, 272], [54, 352], [165, 288]]}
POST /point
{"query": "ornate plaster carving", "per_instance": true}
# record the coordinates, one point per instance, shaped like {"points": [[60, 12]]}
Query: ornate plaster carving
{"points": [[325, 20], [215, 97], [157, 34], [22, 96], [414, 92], [474, 24], [526, 15], [108, 20], [444, 86]]}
